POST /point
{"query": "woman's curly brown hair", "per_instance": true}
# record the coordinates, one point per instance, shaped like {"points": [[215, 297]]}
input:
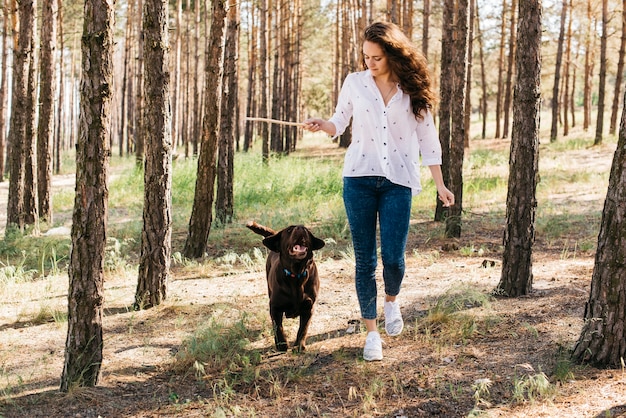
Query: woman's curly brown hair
{"points": [[405, 62]]}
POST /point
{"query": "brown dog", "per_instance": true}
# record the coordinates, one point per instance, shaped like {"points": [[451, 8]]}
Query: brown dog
{"points": [[292, 280]]}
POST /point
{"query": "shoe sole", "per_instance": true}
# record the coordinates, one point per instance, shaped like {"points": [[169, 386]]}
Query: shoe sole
{"points": [[376, 358]]}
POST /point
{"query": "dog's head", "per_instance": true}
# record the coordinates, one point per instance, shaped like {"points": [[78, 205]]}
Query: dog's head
{"points": [[295, 241]]}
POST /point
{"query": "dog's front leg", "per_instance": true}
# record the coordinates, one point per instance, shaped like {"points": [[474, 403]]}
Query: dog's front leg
{"points": [[279, 333], [305, 319]]}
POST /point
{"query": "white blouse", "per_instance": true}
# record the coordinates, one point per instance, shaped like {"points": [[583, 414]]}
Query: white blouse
{"points": [[387, 140]]}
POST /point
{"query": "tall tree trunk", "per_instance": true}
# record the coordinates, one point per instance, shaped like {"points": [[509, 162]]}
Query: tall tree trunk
{"points": [[126, 76], [500, 71], [156, 236], [483, 77], [510, 72], [619, 75], [58, 137], [557, 75], [568, 57], [45, 133], [457, 107], [602, 339], [83, 347], [177, 76], [20, 117], [445, 94], [196, 119], [31, 205], [251, 100], [521, 203], [3, 84], [224, 203], [467, 113], [140, 137], [603, 62], [426, 28], [589, 61], [263, 80], [201, 212]]}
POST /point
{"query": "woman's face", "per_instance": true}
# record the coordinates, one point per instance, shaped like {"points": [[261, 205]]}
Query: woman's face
{"points": [[375, 59]]}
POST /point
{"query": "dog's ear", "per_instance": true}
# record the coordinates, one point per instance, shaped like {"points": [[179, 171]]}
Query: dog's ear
{"points": [[273, 242], [316, 243]]}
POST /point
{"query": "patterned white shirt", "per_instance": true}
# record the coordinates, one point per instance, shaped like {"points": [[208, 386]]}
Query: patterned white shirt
{"points": [[387, 140]]}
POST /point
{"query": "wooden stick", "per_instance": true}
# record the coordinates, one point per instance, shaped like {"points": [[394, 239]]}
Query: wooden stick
{"points": [[278, 122]]}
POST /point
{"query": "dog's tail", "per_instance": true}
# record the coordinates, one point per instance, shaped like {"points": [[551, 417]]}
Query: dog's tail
{"points": [[260, 229]]}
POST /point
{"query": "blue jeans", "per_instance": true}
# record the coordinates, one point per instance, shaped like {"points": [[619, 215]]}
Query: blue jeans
{"points": [[367, 199]]}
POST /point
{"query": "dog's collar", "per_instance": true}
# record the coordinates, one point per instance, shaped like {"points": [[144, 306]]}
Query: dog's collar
{"points": [[295, 276]]}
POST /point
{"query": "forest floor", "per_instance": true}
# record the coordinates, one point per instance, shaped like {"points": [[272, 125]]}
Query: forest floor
{"points": [[426, 371]]}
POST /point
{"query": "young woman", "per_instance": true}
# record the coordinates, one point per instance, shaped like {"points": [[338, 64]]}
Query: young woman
{"points": [[392, 127]]}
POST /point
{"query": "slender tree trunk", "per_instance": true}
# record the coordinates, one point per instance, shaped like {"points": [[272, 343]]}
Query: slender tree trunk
{"points": [[84, 344], [31, 201], [589, 61], [602, 341], [45, 133], [156, 236], [483, 78], [224, 203], [510, 72], [139, 128], [252, 80], [568, 56], [58, 137], [263, 80], [619, 75], [426, 27], [521, 204], [201, 212], [20, 116], [457, 107], [177, 69], [470, 60], [500, 71], [603, 69], [197, 94], [447, 46], [125, 80], [3, 84], [557, 75]]}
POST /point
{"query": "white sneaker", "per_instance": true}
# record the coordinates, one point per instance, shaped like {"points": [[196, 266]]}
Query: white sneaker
{"points": [[373, 349], [393, 319]]}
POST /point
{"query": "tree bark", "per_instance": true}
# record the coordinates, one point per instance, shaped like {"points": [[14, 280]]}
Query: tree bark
{"points": [[45, 132], [619, 75], [224, 203], [445, 94], [83, 347], [426, 28], [58, 137], [3, 84], [554, 104], [510, 72], [139, 128], [500, 71], [602, 341], [16, 217], [602, 85], [201, 212], [457, 109], [521, 204], [156, 237]]}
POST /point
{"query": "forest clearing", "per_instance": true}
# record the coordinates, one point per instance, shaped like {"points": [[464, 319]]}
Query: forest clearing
{"points": [[463, 351]]}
